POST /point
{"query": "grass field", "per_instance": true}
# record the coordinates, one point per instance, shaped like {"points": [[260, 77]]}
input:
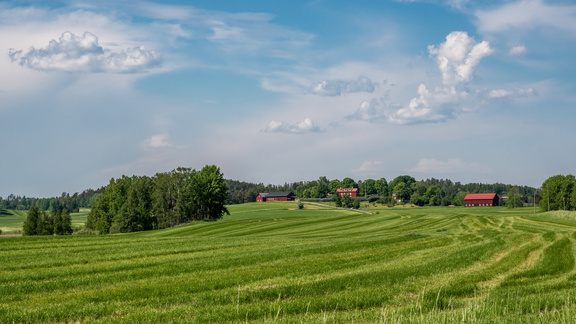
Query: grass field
{"points": [[271, 262], [11, 220]]}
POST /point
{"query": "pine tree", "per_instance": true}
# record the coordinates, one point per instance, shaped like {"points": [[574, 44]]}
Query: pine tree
{"points": [[31, 223]]}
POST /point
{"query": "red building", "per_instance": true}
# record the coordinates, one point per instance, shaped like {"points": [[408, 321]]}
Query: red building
{"points": [[352, 192], [275, 196], [486, 199]]}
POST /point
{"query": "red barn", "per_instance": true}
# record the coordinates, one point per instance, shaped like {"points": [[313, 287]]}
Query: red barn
{"points": [[486, 199], [275, 196], [352, 192]]}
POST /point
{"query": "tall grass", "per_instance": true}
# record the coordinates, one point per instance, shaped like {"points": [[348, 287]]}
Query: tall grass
{"points": [[271, 262]]}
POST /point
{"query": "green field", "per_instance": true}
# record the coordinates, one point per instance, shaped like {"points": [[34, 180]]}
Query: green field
{"points": [[11, 220], [270, 262]]}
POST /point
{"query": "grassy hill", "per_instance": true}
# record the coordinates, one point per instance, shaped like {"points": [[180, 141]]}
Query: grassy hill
{"points": [[270, 262]]}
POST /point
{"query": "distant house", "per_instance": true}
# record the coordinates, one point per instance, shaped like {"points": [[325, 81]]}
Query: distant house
{"points": [[486, 199], [275, 196], [352, 192]]}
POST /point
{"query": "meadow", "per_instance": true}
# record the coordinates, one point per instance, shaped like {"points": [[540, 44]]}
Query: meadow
{"points": [[271, 263], [11, 220]]}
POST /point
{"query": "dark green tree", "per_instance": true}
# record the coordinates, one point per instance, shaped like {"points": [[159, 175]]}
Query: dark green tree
{"points": [[349, 183], [209, 193], [30, 226]]}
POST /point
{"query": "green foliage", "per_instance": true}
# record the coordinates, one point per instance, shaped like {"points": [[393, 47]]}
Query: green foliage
{"points": [[31, 222], [140, 203], [558, 193], [39, 222]]}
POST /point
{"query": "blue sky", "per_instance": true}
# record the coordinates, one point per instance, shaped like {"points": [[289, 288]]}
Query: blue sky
{"points": [[281, 91]]}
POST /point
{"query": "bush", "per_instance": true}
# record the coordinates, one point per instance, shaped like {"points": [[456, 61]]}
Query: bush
{"points": [[300, 205]]}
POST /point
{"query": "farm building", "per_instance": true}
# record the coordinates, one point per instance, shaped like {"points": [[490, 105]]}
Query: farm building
{"points": [[275, 196], [486, 199], [352, 192]]}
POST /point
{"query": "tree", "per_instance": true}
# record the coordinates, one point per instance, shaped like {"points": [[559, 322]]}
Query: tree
{"points": [[557, 192], [514, 199], [401, 191], [334, 185], [434, 194], [209, 193], [408, 181], [382, 187], [459, 198], [349, 183], [31, 223], [338, 201], [370, 187]]}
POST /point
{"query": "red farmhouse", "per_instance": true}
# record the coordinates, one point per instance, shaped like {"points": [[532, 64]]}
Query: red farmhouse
{"points": [[352, 192], [275, 196], [487, 199]]}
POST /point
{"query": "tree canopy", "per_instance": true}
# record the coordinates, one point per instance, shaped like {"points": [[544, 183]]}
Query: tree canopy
{"points": [[139, 203]]}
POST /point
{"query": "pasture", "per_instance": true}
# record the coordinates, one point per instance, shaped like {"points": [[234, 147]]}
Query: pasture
{"points": [[11, 220], [270, 262]]}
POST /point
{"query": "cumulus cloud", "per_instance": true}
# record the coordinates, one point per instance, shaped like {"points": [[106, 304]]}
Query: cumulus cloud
{"points": [[156, 141], [431, 166], [71, 53], [517, 50], [305, 126], [458, 57], [340, 87]]}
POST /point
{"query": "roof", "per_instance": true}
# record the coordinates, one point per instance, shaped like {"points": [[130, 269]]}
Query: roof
{"points": [[276, 194], [347, 189], [480, 196]]}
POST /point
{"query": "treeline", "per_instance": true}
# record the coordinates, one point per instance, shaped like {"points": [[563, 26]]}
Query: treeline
{"points": [[139, 203], [558, 193], [39, 222], [404, 188], [72, 203]]}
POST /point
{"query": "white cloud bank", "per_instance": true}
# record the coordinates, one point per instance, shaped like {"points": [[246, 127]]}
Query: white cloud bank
{"points": [[433, 166], [340, 87], [71, 53], [305, 126], [528, 15]]}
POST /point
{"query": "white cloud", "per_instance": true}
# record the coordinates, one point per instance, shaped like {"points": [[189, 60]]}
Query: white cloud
{"points": [[71, 53], [305, 126], [156, 141], [518, 50], [458, 57], [369, 168], [528, 15], [340, 87], [514, 93], [433, 166]]}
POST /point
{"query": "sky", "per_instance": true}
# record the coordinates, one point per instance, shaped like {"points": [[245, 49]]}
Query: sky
{"points": [[280, 91]]}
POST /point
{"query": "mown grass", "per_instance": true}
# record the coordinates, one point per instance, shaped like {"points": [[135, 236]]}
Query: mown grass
{"points": [[271, 262]]}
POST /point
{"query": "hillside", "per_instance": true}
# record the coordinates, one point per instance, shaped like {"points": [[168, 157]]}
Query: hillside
{"points": [[271, 262]]}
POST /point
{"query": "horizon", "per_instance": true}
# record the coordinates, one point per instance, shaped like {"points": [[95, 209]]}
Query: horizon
{"points": [[275, 92]]}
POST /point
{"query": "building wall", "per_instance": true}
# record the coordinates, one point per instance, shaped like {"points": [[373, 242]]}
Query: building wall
{"points": [[480, 202]]}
